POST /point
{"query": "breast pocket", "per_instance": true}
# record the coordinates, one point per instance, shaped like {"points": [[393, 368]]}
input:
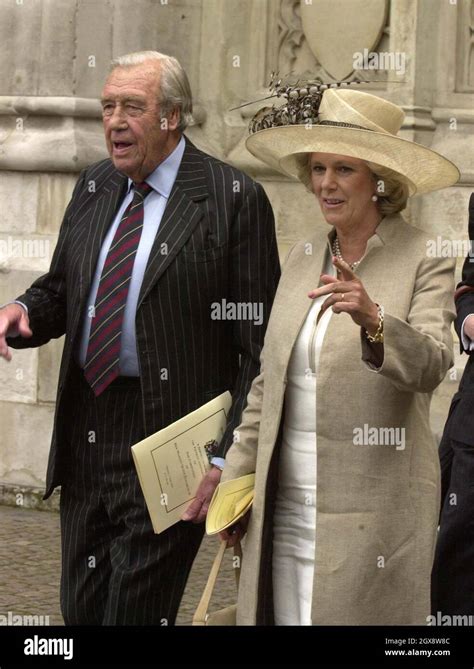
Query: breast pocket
{"points": [[207, 255]]}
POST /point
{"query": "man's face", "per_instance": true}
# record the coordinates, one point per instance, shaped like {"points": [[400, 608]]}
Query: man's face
{"points": [[136, 139]]}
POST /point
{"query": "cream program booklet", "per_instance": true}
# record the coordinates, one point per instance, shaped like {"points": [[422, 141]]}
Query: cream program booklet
{"points": [[172, 462]]}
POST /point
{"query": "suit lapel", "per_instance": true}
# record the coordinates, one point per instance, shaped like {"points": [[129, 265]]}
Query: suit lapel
{"points": [[180, 218], [97, 214]]}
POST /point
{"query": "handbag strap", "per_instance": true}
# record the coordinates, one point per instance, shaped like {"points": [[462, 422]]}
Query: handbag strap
{"points": [[203, 606]]}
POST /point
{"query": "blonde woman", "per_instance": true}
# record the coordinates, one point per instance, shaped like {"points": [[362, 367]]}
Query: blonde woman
{"points": [[343, 524]]}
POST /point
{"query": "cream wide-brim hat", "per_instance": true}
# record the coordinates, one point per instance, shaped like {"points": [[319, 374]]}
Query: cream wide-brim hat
{"points": [[359, 125]]}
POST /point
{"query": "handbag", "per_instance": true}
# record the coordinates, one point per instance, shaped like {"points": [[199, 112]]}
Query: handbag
{"points": [[227, 615]]}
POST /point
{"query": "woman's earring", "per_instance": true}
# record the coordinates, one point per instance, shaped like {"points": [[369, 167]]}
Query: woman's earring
{"points": [[374, 198]]}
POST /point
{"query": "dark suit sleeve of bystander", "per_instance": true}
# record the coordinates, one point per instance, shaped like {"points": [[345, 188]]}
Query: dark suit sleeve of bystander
{"points": [[465, 298]]}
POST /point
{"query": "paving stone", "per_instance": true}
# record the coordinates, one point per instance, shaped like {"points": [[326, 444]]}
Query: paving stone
{"points": [[30, 566]]}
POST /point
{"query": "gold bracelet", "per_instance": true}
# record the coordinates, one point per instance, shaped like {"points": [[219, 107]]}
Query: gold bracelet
{"points": [[377, 338]]}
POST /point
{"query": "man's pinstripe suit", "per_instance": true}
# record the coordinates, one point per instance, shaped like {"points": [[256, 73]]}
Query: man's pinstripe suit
{"points": [[216, 241]]}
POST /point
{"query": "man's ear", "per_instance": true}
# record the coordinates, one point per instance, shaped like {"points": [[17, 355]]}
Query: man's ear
{"points": [[173, 119]]}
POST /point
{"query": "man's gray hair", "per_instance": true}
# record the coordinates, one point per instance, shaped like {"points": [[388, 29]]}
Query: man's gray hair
{"points": [[175, 90]]}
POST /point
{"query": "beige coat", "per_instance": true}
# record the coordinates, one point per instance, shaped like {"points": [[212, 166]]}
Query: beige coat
{"points": [[376, 505]]}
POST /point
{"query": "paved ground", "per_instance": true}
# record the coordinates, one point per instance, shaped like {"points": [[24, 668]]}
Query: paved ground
{"points": [[30, 564]]}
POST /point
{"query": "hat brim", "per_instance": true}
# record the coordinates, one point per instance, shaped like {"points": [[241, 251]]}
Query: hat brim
{"points": [[423, 169]]}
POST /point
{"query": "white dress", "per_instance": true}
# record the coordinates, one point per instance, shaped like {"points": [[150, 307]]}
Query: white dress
{"points": [[294, 527]]}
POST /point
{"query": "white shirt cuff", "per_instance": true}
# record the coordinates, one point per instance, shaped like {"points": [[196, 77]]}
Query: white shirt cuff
{"points": [[467, 343], [218, 462], [15, 302]]}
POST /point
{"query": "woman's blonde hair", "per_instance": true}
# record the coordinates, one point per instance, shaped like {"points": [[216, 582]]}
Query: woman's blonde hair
{"points": [[391, 189]]}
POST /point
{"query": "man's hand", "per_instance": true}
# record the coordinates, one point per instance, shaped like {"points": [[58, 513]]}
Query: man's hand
{"points": [[197, 510], [14, 322], [469, 327]]}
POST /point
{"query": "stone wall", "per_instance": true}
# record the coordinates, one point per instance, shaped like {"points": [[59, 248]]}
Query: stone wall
{"points": [[54, 58]]}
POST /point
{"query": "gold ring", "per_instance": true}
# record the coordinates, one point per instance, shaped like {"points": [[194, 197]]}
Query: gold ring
{"points": [[342, 297]]}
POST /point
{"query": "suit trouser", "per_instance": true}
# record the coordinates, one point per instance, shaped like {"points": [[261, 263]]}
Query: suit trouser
{"points": [[452, 587], [115, 570]]}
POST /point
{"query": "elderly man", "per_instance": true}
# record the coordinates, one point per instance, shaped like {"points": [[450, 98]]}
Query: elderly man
{"points": [[151, 239]]}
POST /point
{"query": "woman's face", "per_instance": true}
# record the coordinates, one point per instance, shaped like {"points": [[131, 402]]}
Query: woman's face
{"points": [[344, 187]]}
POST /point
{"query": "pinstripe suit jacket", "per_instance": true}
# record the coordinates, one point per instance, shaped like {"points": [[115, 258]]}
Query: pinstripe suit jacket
{"points": [[216, 242]]}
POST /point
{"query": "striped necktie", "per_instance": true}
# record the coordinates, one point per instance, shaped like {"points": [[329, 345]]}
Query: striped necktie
{"points": [[103, 352]]}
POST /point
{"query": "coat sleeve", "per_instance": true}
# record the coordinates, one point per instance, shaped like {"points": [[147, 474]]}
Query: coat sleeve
{"points": [[241, 458], [46, 297], [418, 351], [254, 275]]}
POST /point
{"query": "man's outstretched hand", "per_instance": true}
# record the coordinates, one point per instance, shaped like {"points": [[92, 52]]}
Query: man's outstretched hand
{"points": [[197, 510], [14, 322]]}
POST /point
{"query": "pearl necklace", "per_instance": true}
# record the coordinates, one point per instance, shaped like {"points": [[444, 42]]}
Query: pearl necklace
{"points": [[337, 252]]}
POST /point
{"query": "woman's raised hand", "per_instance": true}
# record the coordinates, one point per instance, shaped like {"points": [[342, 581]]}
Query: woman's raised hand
{"points": [[347, 294]]}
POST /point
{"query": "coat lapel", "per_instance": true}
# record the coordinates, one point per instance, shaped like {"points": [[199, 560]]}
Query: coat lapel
{"points": [[293, 302], [181, 216], [378, 254]]}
